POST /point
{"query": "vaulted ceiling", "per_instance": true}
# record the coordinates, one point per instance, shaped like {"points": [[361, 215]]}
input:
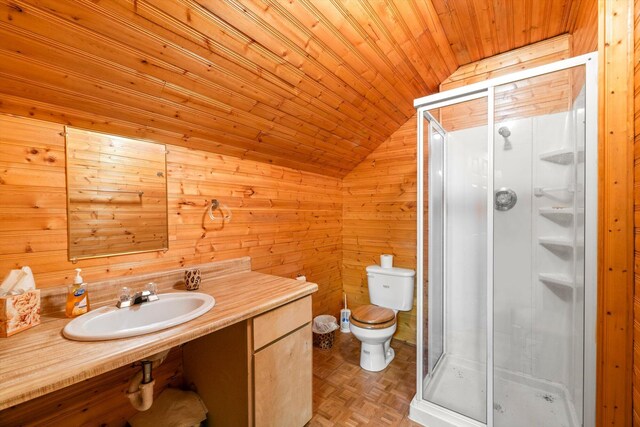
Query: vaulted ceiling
{"points": [[311, 84]]}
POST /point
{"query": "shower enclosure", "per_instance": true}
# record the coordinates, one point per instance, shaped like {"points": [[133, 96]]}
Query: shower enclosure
{"points": [[507, 241]]}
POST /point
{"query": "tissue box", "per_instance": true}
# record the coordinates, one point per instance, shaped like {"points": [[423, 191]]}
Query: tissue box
{"points": [[19, 312]]}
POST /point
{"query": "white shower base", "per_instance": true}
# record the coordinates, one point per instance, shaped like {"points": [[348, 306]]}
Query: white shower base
{"points": [[520, 400]]}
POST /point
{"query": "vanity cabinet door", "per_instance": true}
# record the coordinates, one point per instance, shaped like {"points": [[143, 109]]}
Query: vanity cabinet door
{"points": [[282, 382]]}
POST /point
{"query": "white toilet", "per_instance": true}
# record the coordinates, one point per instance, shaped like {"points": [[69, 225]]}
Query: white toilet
{"points": [[390, 291]]}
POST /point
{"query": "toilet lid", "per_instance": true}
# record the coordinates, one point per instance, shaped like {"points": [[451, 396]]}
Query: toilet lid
{"points": [[372, 314]]}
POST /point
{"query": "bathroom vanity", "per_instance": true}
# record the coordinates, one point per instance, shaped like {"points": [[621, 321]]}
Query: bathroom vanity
{"points": [[273, 352], [249, 358]]}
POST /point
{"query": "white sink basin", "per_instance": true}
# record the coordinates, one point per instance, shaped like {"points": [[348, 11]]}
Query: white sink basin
{"points": [[108, 323]]}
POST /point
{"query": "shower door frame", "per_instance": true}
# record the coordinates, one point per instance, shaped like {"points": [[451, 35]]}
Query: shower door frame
{"points": [[434, 124], [422, 410]]}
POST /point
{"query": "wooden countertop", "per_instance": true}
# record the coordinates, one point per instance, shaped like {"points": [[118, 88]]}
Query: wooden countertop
{"points": [[41, 360]]}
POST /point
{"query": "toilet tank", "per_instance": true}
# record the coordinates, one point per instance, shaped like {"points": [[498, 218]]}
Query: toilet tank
{"points": [[391, 287]]}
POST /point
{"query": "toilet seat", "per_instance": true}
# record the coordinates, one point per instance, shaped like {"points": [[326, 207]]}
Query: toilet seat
{"points": [[372, 317]]}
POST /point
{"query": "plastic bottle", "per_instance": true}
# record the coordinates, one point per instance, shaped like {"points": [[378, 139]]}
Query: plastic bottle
{"points": [[77, 297]]}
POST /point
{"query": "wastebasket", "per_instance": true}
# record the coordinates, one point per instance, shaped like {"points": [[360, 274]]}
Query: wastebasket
{"points": [[324, 330]]}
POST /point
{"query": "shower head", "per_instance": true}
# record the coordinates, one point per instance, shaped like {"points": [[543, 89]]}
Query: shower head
{"points": [[504, 132]]}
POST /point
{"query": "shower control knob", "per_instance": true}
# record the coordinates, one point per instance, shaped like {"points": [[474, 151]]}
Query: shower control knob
{"points": [[505, 199]]}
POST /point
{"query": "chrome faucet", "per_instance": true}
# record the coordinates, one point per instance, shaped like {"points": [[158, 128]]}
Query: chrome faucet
{"points": [[149, 294]]}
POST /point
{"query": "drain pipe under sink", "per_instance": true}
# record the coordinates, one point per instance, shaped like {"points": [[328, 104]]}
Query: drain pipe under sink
{"points": [[140, 390]]}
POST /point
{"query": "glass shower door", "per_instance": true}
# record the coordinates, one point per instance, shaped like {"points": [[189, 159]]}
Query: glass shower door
{"points": [[538, 256], [455, 186]]}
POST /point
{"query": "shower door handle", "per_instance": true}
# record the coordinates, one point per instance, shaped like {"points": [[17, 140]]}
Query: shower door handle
{"points": [[504, 199]]}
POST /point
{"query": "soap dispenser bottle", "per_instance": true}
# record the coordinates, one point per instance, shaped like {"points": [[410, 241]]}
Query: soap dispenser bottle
{"points": [[77, 297]]}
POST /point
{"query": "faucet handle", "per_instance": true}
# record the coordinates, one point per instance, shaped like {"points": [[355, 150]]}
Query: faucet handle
{"points": [[152, 289], [125, 294], [124, 298]]}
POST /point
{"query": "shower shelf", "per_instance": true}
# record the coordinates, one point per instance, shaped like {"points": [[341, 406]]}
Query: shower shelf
{"points": [[563, 156], [557, 279], [560, 215], [547, 191], [557, 242], [556, 211]]}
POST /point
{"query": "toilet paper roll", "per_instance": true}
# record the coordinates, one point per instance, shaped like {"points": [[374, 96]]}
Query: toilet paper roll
{"points": [[386, 261]]}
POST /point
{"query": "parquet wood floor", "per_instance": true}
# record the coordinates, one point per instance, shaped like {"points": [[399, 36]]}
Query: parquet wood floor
{"points": [[346, 395]]}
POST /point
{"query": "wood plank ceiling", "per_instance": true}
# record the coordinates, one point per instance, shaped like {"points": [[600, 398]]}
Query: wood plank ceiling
{"points": [[313, 85]]}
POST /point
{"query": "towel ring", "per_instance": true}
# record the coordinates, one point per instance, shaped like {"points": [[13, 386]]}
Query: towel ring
{"points": [[215, 205]]}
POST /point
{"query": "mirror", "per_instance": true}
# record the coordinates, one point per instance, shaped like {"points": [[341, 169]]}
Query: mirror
{"points": [[116, 195]]}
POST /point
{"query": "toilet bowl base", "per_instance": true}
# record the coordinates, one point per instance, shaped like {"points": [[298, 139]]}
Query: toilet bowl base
{"points": [[376, 357]]}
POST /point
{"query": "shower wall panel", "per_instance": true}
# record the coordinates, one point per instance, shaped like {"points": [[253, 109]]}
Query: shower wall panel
{"points": [[512, 250]]}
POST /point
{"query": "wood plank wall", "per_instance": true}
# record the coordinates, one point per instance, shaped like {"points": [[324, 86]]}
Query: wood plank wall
{"points": [[379, 216], [636, 192], [287, 221], [616, 220], [544, 52], [535, 55]]}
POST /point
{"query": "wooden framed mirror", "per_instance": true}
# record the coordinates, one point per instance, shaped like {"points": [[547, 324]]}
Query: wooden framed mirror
{"points": [[116, 195]]}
